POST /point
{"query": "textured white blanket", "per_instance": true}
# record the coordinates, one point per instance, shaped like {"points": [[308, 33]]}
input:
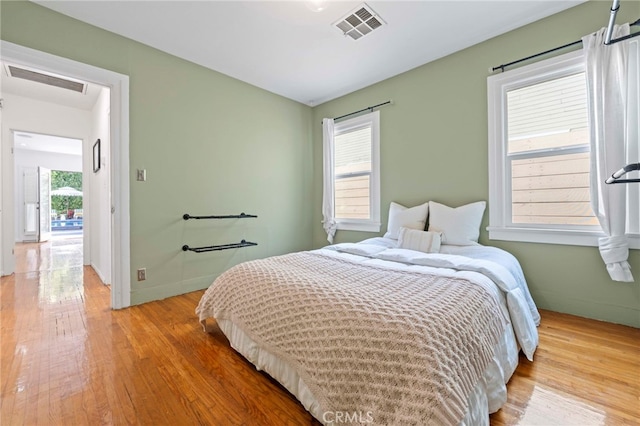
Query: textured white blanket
{"points": [[392, 346]]}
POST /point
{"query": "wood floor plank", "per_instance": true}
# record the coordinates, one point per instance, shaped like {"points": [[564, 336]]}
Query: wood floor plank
{"points": [[67, 358]]}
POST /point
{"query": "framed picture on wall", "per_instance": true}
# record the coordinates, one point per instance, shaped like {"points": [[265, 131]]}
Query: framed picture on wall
{"points": [[96, 156]]}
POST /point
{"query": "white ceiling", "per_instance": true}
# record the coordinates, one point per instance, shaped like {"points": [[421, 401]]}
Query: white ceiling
{"points": [[285, 48], [47, 143]]}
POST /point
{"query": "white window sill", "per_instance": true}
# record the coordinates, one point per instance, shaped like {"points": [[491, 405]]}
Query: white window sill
{"points": [[554, 236], [362, 226]]}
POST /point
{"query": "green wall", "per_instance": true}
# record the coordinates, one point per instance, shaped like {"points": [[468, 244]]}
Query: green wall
{"points": [[210, 144], [434, 147]]}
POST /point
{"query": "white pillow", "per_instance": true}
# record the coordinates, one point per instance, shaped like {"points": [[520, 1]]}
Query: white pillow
{"points": [[459, 226], [412, 239], [400, 216], [368, 250]]}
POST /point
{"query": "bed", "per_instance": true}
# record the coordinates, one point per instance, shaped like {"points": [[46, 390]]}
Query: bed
{"points": [[372, 333], [420, 326]]}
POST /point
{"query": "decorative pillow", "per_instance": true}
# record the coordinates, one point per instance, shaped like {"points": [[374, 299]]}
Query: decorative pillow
{"points": [[459, 226], [401, 216], [412, 239]]}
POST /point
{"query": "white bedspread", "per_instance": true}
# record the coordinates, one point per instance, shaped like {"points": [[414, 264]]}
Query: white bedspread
{"points": [[499, 266]]}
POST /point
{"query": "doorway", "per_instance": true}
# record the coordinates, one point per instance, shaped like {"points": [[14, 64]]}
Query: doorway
{"points": [[49, 181], [66, 200], [115, 161]]}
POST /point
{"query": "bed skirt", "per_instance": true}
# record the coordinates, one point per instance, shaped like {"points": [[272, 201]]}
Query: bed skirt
{"points": [[488, 396]]}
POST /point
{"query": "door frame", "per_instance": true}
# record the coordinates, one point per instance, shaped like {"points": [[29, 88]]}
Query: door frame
{"points": [[119, 164], [44, 213], [29, 179]]}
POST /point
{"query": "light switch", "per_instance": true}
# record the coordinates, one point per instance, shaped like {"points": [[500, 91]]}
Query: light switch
{"points": [[142, 175]]}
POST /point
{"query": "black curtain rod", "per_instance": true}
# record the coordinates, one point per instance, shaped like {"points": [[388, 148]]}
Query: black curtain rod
{"points": [[616, 40], [362, 110]]}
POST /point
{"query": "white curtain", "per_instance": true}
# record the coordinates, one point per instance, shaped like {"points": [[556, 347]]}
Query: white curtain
{"points": [[328, 219], [607, 79]]}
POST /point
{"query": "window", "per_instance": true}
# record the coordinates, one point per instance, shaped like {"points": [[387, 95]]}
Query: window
{"points": [[539, 159], [548, 153], [357, 173]]}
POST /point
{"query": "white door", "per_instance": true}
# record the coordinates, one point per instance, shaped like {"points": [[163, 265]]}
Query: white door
{"points": [[31, 216], [44, 176]]}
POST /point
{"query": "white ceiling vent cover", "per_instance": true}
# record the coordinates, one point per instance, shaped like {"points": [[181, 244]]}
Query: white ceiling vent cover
{"points": [[49, 79], [359, 22]]}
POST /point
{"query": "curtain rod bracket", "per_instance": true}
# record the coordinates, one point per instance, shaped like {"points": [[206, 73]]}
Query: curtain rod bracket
{"points": [[612, 21], [615, 177]]}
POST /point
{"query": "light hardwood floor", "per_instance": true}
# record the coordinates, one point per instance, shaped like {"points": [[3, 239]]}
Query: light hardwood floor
{"points": [[67, 359]]}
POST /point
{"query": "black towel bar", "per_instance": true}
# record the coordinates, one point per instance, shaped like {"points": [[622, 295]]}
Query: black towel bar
{"points": [[241, 244], [242, 215]]}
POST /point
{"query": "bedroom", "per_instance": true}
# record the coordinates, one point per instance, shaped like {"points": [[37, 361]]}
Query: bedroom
{"points": [[191, 120]]}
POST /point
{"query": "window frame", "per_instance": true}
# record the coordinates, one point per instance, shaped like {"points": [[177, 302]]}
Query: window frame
{"points": [[372, 224], [500, 220]]}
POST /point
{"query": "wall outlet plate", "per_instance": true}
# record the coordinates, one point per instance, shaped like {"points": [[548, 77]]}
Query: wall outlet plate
{"points": [[142, 274], [141, 175]]}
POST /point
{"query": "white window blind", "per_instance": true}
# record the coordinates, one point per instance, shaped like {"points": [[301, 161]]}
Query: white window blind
{"points": [[547, 149], [353, 174], [356, 173]]}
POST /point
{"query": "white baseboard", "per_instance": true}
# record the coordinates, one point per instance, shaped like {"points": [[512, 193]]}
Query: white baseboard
{"points": [[100, 274]]}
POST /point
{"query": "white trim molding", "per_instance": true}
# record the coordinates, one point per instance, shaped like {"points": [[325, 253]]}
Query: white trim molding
{"points": [[501, 226], [119, 107], [373, 224]]}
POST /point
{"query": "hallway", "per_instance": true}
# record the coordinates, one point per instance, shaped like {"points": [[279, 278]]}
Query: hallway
{"points": [[58, 264]]}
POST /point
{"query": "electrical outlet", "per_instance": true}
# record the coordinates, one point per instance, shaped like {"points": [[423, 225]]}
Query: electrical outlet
{"points": [[142, 175], [142, 274]]}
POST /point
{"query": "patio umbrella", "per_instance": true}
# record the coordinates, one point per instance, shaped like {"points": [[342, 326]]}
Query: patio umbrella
{"points": [[67, 191]]}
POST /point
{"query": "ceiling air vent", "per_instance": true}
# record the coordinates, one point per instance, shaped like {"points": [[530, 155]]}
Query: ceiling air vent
{"points": [[51, 80], [359, 22]]}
